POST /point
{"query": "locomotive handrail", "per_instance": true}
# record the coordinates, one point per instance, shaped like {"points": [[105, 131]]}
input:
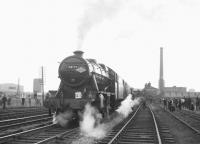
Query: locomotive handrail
{"points": [[103, 92], [95, 82]]}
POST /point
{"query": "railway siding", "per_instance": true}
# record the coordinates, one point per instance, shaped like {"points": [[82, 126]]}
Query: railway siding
{"points": [[180, 132]]}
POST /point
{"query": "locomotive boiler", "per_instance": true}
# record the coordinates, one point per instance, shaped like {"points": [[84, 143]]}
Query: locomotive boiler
{"points": [[86, 81]]}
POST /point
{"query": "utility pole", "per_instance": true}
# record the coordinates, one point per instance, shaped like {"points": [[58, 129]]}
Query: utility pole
{"points": [[18, 88], [42, 85]]}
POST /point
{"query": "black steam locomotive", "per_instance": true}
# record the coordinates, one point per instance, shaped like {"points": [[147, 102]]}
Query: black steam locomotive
{"points": [[85, 81]]}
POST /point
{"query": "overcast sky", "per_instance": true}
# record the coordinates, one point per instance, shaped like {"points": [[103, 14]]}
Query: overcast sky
{"points": [[125, 35]]}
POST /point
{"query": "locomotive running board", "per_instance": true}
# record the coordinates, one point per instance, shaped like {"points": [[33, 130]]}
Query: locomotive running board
{"points": [[95, 82], [108, 93]]}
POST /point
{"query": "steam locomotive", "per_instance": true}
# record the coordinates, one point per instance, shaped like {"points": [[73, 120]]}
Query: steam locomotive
{"points": [[86, 81]]}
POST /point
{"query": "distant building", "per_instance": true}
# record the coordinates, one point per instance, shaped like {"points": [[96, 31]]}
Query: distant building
{"points": [[193, 94], [175, 91], [169, 91], [11, 89], [150, 90], [37, 86], [191, 90]]}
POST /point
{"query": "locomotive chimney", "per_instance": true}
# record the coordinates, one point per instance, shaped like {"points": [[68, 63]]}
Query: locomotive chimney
{"points": [[78, 53]]}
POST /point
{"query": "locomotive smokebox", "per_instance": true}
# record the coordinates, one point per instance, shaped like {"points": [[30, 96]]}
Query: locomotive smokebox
{"points": [[78, 53], [74, 70]]}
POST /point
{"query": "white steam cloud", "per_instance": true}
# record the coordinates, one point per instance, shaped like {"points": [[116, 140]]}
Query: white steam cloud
{"points": [[90, 126], [62, 118], [126, 105], [96, 12]]}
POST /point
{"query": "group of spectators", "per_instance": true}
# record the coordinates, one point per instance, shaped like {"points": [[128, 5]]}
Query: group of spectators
{"points": [[178, 103], [6, 100]]}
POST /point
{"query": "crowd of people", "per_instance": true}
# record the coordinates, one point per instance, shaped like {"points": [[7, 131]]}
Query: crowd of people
{"points": [[178, 103], [5, 101]]}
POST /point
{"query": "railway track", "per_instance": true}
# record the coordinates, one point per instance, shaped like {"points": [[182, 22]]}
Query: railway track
{"points": [[140, 128], [43, 135], [18, 109], [15, 125], [191, 120], [190, 114], [33, 136], [165, 133], [70, 135], [39, 134], [25, 112]]}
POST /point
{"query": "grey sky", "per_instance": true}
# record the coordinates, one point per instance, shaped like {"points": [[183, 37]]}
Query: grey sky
{"points": [[125, 35]]}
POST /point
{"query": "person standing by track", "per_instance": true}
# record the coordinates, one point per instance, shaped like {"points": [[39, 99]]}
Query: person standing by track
{"points": [[4, 100], [197, 103], [165, 103], [144, 104], [29, 100]]}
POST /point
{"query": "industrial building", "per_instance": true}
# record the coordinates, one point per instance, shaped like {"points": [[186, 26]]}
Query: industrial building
{"points": [[11, 89], [172, 91], [37, 85]]}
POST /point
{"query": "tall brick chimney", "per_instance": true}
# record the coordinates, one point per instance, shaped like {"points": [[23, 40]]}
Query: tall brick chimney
{"points": [[161, 80]]}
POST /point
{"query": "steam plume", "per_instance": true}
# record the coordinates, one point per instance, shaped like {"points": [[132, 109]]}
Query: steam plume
{"points": [[97, 11], [62, 118], [91, 126], [126, 105]]}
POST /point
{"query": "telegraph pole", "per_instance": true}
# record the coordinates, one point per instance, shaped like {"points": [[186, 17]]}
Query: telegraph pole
{"points": [[18, 88], [42, 85]]}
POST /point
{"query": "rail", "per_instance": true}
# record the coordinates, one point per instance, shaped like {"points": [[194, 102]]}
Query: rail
{"points": [[118, 134], [57, 136], [156, 126]]}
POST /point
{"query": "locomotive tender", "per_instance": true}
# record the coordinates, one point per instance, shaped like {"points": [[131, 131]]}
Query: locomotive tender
{"points": [[85, 81]]}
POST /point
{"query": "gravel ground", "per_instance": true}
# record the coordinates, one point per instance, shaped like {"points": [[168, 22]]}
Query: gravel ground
{"points": [[182, 134]]}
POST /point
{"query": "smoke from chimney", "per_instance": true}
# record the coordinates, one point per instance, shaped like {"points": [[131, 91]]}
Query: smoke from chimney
{"points": [[96, 12]]}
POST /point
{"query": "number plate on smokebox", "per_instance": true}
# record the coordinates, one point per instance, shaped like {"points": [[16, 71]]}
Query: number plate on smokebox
{"points": [[78, 95]]}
